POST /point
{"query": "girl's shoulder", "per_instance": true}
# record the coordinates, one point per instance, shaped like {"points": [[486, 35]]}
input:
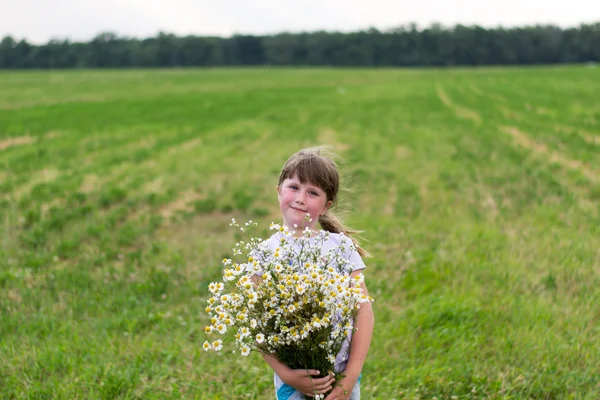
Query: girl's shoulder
{"points": [[337, 238]]}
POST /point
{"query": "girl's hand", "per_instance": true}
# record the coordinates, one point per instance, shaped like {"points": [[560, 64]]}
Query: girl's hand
{"points": [[342, 389], [305, 381], [338, 393]]}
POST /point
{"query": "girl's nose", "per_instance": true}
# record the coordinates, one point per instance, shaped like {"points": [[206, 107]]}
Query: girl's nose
{"points": [[300, 197]]}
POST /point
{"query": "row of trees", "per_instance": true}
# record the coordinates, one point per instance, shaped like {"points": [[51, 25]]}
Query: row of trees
{"points": [[403, 46]]}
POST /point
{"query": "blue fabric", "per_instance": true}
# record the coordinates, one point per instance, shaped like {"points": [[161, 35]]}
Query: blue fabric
{"points": [[285, 392]]}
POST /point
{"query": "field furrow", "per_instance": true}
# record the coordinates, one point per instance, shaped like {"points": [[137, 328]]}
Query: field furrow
{"points": [[477, 191]]}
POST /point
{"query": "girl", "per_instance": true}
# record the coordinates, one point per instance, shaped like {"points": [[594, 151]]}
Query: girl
{"points": [[307, 189]]}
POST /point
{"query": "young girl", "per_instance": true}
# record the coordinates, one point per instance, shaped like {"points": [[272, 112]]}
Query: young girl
{"points": [[308, 187]]}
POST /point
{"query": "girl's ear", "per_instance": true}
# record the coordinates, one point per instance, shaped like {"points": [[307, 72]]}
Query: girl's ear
{"points": [[329, 203], [278, 195]]}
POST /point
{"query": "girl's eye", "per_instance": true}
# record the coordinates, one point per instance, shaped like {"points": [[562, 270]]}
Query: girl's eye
{"points": [[294, 187], [313, 193]]}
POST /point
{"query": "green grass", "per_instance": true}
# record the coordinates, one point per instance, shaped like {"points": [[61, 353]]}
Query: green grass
{"points": [[478, 191]]}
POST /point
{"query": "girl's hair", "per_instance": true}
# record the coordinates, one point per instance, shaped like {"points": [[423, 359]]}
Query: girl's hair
{"points": [[317, 166]]}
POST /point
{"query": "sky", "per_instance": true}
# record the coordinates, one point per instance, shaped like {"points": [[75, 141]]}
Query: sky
{"points": [[38, 21]]}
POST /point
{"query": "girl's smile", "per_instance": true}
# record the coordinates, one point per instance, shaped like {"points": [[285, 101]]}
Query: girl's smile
{"points": [[297, 209]]}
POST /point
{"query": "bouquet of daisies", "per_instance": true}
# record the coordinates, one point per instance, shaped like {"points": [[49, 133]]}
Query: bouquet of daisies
{"points": [[290, 299]]}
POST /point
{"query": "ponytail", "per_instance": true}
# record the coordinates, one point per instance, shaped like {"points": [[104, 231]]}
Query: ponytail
{"points": [[331, 223]]}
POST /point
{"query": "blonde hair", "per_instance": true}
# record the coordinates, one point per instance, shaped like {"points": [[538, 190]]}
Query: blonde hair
{"points": [[317, 165]]}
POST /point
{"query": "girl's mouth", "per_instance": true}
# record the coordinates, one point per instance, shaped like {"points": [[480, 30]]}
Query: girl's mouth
{"points": [[297, 209]]}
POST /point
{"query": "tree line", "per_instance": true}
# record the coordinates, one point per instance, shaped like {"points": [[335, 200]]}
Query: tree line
{"points": [[405, 46]]}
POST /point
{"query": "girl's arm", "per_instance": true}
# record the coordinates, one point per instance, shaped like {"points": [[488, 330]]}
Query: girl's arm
{"points": [[300, 379], [359, 347]]}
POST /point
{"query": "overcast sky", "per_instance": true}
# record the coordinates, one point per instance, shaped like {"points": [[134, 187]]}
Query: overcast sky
{"points": [[80, 20]]}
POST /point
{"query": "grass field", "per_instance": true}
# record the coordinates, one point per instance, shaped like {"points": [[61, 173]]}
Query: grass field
{"points": [[478, 191]]}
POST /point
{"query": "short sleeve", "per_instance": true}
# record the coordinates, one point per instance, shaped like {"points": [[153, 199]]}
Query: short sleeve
{"points": [[350, 253], [356, 260]]}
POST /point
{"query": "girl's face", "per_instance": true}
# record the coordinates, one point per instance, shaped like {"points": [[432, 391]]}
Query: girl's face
{"points": [[297, 199]]}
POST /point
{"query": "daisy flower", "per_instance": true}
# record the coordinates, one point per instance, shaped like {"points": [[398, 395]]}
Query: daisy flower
{"points": [[245, 350], [217, 344]]}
